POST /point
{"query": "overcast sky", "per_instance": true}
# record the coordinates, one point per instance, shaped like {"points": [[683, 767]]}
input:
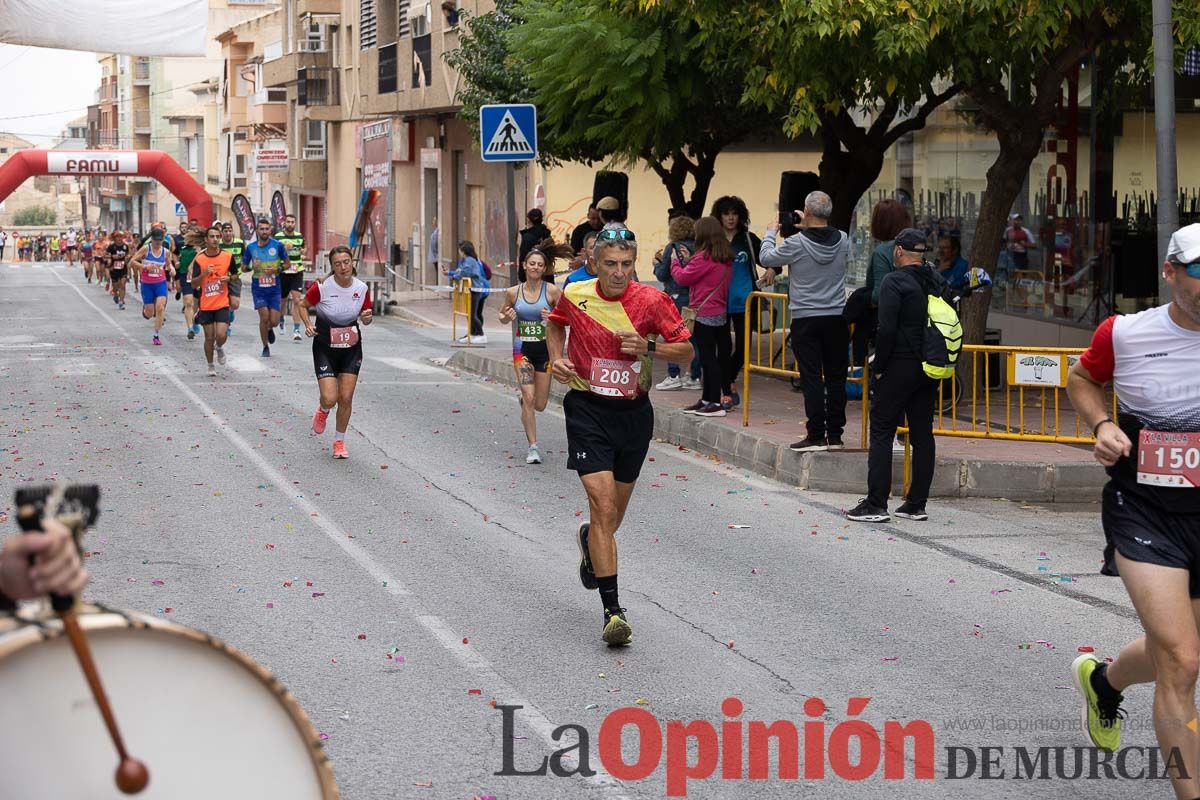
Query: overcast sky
{"points": [[41, 90]]}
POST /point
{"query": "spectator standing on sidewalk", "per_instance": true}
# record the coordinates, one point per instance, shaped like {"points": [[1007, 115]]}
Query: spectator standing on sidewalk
{"points": [[530, 237], [734, 217], [469, 266], [707, 276], [901, 387], [609, 209], [681, 230], [592, 224], [816, 258]]}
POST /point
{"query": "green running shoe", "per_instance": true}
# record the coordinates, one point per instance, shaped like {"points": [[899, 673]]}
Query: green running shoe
{"points": [[1101, 719], [617, 630]]}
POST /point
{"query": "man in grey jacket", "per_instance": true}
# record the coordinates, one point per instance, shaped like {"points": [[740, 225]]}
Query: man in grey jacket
{"points": [[816, 257]]}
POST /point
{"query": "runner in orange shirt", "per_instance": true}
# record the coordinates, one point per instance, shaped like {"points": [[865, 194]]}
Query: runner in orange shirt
{"points": [[210, 277]]}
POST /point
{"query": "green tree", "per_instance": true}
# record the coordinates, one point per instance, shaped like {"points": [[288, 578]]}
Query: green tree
{"points": [[35, 215], [859, 73], [628, 88], [1035, 46]]}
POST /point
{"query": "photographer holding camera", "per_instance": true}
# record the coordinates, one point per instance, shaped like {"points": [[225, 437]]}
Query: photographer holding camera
{"points": [[817, 257]]}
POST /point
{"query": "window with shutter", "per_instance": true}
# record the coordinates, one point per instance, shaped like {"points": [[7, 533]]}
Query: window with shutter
{"points": [[366, 24]]}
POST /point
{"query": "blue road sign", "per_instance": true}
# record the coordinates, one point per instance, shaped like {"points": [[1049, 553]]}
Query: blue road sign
{"points": [[508, 132]]}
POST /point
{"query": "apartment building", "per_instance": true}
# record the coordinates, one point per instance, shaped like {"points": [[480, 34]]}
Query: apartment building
{"points": [[249, 119], [159, 104], [371, 104]]}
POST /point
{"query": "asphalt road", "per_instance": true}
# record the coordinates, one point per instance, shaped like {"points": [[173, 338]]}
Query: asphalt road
{"points": [[457, 563]]}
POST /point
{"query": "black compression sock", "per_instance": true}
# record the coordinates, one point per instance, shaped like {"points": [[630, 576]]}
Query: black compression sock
{"points": [[1100, 682], [608, 591]]}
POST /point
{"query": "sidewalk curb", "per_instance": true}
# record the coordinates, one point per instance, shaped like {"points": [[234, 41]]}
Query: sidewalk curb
{"points": [[841, 471], [400, 311]]}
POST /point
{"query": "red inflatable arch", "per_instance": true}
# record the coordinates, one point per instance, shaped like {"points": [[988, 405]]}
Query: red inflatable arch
{"points": [[147, 163]]}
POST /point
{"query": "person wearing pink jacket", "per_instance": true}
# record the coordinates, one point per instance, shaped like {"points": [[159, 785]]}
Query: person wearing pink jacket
{"points": [[707, 275]]}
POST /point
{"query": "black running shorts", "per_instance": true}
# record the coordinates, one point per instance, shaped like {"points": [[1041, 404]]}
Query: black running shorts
{"points": [[118, 274], [537, 354], [291, 282], [1142, 531], [212, 317], [606, 435], [329, 362]]}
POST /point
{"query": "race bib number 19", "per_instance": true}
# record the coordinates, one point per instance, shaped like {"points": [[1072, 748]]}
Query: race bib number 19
{"points": [[613, 378], [343, 337], [1169, 459]]}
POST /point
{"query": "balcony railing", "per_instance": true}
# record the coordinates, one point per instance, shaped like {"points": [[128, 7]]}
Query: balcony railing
{"points": [[141, 118], [314, 152], [267, 95], [141, 70], [317, 86], [311, 46]]}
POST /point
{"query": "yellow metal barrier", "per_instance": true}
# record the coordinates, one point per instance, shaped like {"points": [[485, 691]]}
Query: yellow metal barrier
{"points": [[779, 359], [460, 306], [1039, 375]]}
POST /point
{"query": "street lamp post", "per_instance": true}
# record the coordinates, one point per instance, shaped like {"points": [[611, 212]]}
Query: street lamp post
{"points": [[1164, 134]]}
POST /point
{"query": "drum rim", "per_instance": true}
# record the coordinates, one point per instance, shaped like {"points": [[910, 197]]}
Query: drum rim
{"points": [[95, 617]]}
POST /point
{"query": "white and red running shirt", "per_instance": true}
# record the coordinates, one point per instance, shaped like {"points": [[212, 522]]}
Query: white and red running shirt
{"points": [[338, 306], [1154, 366]]}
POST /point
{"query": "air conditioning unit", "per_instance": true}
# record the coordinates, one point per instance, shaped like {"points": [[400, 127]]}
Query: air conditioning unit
{"points": [[239, 136]]}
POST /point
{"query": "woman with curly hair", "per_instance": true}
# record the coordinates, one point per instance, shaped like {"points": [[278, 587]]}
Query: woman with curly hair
{"points": [[529, 304], [734, 217]]}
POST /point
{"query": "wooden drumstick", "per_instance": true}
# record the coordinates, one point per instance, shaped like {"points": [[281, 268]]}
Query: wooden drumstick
{"points": [[132, 776]]}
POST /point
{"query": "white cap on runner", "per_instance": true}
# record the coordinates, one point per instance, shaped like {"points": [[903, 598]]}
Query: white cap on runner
{"points": [[1185, 244]]}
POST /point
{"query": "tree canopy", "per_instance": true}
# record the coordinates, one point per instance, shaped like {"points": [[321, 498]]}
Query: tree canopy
{"points": [[613, 86]]}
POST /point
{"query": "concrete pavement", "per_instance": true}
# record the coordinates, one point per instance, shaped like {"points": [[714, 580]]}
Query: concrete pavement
{"points": [[439, 545]]}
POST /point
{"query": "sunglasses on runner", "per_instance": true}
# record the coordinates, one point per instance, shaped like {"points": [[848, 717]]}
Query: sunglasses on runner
{"points": [[1192, 269], [613, 234]]}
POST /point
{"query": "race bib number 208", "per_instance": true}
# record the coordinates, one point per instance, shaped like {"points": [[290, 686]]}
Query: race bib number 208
{"points": [[1169, 459], [614, 378]]}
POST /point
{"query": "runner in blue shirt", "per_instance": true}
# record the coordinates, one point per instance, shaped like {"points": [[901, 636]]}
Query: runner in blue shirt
{"points": [[266, 258], [584, 273]]}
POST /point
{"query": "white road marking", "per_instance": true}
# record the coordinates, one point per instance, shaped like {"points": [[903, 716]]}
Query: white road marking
{"points": [[465, 654], [242, 363], [309, 382], [408, 365]]}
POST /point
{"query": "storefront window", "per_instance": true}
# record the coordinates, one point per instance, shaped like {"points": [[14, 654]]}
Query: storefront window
{"points": [[1084, 245]]}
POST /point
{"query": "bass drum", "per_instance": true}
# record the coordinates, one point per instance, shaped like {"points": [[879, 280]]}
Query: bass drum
{"points": [[206, 720]]}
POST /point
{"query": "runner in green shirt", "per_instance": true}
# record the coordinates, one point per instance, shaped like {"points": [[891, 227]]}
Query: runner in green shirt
{"points": [[291, 282], [234, 246]]}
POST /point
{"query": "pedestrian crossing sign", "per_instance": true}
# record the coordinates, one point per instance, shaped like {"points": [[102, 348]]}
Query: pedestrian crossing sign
{"points": [[508, 132]]}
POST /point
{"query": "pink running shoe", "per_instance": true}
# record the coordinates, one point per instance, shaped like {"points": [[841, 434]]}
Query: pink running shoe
{"points": [[339, 449], [319, 420]]}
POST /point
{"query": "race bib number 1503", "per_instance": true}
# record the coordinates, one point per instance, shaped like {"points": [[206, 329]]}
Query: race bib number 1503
{"points": [[1169, 459]]}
